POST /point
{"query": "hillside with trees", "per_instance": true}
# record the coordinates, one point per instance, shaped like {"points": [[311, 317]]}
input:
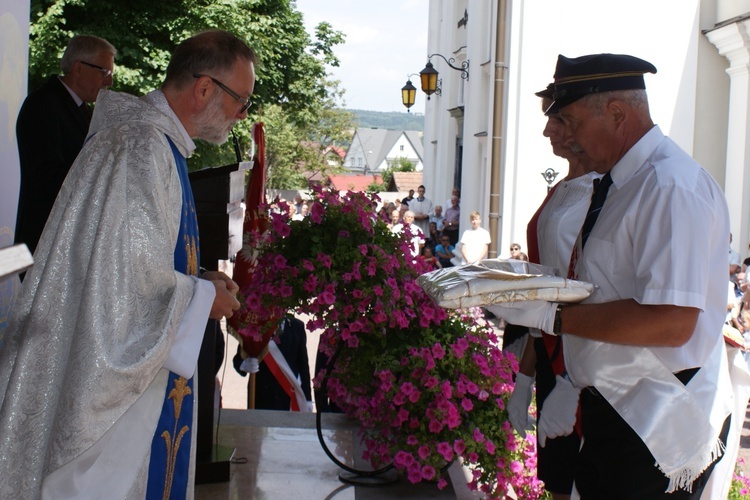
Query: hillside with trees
{"points": [[388, 120]]}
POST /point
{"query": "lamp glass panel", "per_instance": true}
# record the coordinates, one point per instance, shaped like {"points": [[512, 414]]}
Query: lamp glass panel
{"points": [[429, 81]]}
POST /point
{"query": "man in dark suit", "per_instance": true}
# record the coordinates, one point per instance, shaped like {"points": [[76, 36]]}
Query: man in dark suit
{"points": [[51, 127]]}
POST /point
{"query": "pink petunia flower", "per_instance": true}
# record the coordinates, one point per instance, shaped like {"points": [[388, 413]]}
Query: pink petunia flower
{"points": [[445, 450]]}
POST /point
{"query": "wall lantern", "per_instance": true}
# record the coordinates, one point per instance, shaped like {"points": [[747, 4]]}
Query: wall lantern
{"points": [[408, 94], [429, 75], [429, 78]]}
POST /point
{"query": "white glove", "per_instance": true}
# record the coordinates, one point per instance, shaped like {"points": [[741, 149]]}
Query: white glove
{"points": [[309, 407], [558, 417], [250, 365], [518, 405], [532, 313]]}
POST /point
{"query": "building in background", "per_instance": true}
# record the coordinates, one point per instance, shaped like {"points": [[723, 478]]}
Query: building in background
{"points": [[376, 149], [483, 133], [403, 182]]}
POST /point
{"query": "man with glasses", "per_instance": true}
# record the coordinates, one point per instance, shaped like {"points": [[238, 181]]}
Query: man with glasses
{"points": [[51, 127], [97, 365], [515, 251]]}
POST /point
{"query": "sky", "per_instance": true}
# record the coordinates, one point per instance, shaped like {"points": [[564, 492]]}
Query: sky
{"points": [[385, 41]]}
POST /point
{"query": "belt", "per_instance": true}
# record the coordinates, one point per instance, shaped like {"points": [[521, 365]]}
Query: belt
{"points": [[683, 376]]}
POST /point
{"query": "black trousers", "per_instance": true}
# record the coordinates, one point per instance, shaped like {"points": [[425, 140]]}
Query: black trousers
{"points": [[614, 463]]}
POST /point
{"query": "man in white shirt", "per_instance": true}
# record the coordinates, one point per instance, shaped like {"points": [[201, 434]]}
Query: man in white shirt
{"points": [[646, 348], [417, 237], [421, 207]]}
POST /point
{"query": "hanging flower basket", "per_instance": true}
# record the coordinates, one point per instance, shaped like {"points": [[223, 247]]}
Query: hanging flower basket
{"points": [[426, 385]]}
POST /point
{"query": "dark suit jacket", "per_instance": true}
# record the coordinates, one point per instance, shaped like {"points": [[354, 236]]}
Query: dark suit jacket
{"points": [[293, 345], [50, 131]]}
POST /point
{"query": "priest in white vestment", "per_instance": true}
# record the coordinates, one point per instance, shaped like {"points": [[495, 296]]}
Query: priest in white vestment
{"points": [[113, 309]]}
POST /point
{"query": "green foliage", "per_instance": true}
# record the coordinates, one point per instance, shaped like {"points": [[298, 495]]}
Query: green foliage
{"points": [[400, 164], [295, 152], [292, 73], [376, 187]]}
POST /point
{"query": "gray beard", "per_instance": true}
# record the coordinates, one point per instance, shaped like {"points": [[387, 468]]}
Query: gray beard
{"points": [[213, 126]]}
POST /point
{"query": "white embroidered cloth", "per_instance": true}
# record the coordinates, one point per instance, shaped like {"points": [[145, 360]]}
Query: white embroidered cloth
{"points": [[493, 281]]}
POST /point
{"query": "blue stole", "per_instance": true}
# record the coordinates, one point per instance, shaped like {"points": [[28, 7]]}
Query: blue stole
{"points": [[170, 449]]}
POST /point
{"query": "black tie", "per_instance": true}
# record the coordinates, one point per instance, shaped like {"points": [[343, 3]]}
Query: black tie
{"points": [[601, 186], [86, 110]]}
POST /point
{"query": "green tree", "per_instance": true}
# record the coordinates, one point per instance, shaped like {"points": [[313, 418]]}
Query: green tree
{"points": [[292, 73], [296, 152], [400, 164]]}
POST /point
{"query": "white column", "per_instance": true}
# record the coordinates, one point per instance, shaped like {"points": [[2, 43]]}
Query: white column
{"points": [[733, 42], [14, 50]]}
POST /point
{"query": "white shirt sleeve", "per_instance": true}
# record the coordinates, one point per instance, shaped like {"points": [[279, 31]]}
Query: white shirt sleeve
{"points": [[183, 355]]}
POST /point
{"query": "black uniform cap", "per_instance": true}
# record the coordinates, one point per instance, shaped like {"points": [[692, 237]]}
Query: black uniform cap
{"points": [[578, 77]]}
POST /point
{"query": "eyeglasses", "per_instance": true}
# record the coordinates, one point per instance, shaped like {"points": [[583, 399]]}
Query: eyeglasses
{"points": [[104, 71], [245, 101], [514, 248]]}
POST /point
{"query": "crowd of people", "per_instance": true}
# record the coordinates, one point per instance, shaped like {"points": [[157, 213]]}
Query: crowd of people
{"points": [[434, 235], [738, 296]]}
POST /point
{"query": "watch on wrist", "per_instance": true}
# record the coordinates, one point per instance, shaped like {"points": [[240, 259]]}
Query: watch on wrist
{"points": [[557, 324]]}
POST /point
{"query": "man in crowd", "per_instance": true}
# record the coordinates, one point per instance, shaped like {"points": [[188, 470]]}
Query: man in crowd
{"points": [[416, 235], [444, 251], [735, 263], [51, 127], [97, 362], [646, 349], [421, 206], [454, 192], [437, 218], [298, 203], [408, 199], [451, 220]]}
